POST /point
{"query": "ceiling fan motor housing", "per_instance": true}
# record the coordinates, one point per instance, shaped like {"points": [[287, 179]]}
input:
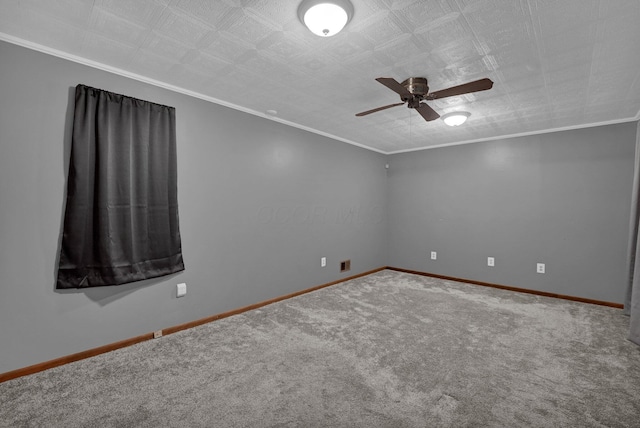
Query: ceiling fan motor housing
{"points": [[416, 85]]}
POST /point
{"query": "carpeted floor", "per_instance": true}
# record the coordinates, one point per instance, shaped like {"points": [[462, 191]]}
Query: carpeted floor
{"points": [[387, 350]]}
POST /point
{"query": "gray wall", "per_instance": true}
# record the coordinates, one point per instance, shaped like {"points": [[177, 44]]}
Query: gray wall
{"points": [[561, 198], [260, 203]]}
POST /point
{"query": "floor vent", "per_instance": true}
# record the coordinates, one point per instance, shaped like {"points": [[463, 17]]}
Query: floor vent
{"points": [[345, 266]]}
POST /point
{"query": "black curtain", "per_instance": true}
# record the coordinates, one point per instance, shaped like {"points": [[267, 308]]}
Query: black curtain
{"points": [[121, 216]]}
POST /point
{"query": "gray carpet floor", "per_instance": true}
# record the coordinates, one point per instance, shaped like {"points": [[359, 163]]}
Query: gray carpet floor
{"points": [[386, 350]]}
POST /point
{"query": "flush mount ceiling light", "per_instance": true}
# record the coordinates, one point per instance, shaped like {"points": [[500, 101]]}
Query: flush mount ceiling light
{"points": [[325, 18], [456, 118]]}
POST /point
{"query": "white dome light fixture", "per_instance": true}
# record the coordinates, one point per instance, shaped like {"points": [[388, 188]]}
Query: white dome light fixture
{"points": [[325, 18], [456, 118]]}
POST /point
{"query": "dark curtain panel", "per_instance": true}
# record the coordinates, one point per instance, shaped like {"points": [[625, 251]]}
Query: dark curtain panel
{"points": [[121, 218], [632, 301]]}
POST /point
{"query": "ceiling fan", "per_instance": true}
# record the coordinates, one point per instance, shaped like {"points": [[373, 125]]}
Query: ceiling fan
{"points": [[415, 89]]}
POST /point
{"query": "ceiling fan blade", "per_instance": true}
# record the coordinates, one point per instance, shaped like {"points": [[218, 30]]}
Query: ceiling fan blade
{"points": [[396, 87], [427, 112], [475, 86], [364, 113]]}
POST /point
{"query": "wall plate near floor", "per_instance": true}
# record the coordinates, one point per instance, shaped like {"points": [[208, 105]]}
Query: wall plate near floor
{"points": [[181, 289], [434, 255], [540, 268], [345, 266], [157, 334], [323, 262], [491, 261]]}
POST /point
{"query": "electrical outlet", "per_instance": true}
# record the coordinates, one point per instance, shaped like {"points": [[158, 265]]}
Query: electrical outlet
{"points": [[323, 262], [181, 289], [157, 334], [434, 255], [540, 268], [491, 261]]}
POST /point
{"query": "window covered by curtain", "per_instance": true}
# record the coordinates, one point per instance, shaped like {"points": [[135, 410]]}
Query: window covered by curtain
{"points": [[121, 216]]}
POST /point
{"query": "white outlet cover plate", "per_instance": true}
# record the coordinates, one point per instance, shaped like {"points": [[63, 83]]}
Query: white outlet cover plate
{"points": [[181, 289], [434, 255], [540, 268], [323, 262], [491, 261]]}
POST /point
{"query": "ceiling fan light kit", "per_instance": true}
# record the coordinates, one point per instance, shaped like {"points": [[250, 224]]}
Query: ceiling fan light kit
{"points": [[456, 118], [325, 18]]}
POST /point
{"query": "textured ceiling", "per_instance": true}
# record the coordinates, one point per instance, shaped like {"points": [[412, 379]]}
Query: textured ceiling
{"points": [[556, 64]]}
